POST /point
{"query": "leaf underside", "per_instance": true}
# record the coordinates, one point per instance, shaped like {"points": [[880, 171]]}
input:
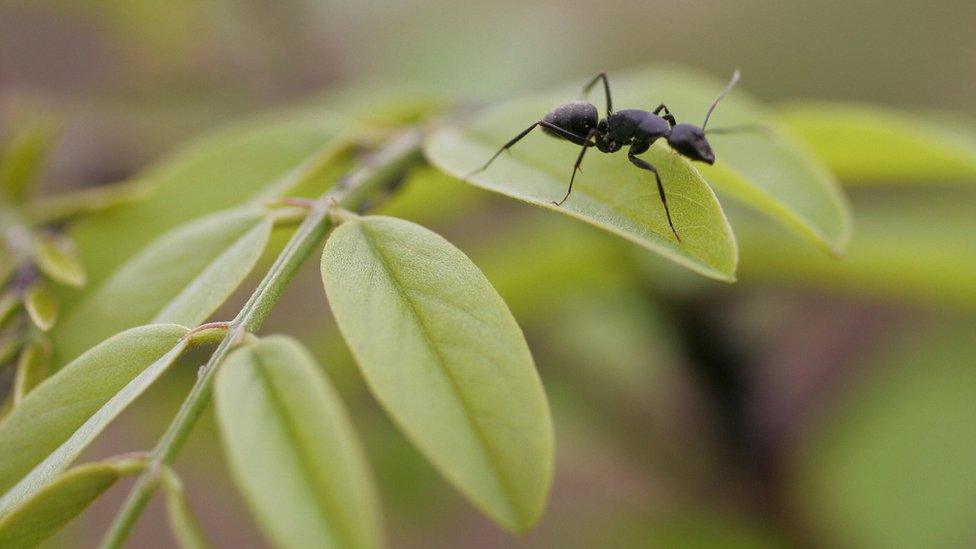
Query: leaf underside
{"points": [[293, 450]]}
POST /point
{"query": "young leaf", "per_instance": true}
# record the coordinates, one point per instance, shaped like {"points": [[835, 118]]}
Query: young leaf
{"points": [[32, 366], [610, 192], [68, 204], [870, 144], [60, 417], [182, 521], [10, 343], [442, 353], [292, 449], [21, 157], [41, 305], [56, 504], [8, 304], [57, 258], [181, 278]]}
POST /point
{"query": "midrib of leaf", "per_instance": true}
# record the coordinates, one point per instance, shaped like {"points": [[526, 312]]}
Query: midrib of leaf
{"points": [[326, 506], [506, 490]]}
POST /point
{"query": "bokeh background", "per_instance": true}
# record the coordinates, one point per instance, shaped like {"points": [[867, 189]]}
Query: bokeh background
{"points": [[805, 405]]}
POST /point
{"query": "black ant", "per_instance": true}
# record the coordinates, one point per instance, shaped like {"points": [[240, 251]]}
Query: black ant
{"points": [[579, 122]]}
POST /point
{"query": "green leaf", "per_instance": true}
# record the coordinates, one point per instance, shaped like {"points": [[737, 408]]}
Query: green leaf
{"points": [[609, 193], [442, 353], [916, 248], [292, 449], [21, 158], [58, 419], [10, 343], [41, 305], [9, 302], [66, 205], [181, 278], [871, 144], [182, 522], [56, 504], [768, 170], [32, 367], [56, 257], [239, 164]]}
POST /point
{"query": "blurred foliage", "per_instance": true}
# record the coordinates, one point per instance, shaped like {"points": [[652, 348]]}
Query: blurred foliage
{"points": [[891, 464], [886, 462], [914, 247], [867, 144]]}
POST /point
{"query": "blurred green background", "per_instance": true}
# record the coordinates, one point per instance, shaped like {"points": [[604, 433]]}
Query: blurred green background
{"points": [[815, 402]]}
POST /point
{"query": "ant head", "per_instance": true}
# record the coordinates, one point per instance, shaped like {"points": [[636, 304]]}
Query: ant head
{"points": [[689, 141]]}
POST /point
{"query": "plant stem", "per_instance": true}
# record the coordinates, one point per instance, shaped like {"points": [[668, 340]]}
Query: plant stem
{"points": [[385, 165]]}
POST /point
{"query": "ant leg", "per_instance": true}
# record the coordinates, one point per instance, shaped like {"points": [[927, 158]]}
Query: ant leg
{"points": [[667, 114], [606, 89], [565, 134], [504, 148], [576, 167], [660, 188]]}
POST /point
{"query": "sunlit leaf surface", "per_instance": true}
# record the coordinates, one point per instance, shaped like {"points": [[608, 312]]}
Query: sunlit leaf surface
{"points": [[442, 353], [610, 192]]}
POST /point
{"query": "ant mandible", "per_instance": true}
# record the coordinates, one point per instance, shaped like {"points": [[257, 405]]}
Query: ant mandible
{"points": [[579, 123]]}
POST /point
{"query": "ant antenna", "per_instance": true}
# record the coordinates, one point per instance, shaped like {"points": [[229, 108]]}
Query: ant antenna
{"points": [[728, 87]]}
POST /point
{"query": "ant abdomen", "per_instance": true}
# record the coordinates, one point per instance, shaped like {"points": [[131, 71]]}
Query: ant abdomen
{"points": [[578, 117]]}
